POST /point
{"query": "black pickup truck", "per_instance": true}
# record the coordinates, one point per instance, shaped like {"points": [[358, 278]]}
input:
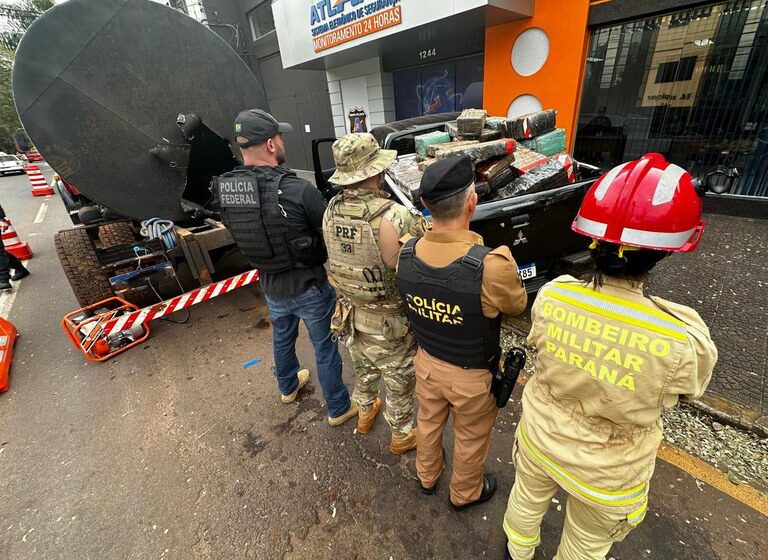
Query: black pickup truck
{"points": [[536, 227]]}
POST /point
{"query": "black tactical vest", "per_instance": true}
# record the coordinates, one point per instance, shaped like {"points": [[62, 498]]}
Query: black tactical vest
{"points": [[250, 208], [445, 308]]}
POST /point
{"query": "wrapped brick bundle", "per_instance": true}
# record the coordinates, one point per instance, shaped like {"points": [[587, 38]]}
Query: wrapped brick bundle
{"points": [[406, 175], [426, 163], [495, 123], [480, 152], [549, 175], [531, 125], [432, 149], [570, 167], [471, 123], [489, 169], [526, 159], [487, 135], [482, 189], [452, 129], [548, 144], [498, 173], [425, 140]]}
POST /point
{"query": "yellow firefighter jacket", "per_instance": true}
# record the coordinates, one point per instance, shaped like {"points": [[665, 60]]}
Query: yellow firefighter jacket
{"points": [[608, 361]]}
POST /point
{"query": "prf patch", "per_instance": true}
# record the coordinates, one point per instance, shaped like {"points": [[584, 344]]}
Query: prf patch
{"points": [[238, 192], [349, 233]]}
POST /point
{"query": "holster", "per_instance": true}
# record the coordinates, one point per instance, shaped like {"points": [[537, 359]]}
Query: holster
{"points": [[343, 321]]}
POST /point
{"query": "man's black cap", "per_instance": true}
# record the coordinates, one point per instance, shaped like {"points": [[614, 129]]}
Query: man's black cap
{"points": [[258, 126], [446, 178]]}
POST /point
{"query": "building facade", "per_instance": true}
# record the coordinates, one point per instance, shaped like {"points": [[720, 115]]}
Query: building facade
{"points": [[682, 77]]}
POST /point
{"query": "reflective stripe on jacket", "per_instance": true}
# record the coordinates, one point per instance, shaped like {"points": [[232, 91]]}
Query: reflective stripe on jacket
{"points": [[608, 361]]}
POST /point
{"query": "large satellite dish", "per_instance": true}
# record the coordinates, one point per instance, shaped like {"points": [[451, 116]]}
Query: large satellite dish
{"points": [[99, 85]]}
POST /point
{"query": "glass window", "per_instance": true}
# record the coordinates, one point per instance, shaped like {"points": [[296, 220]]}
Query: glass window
{"points": [[439, 88], [261, 20], [692, 85]]}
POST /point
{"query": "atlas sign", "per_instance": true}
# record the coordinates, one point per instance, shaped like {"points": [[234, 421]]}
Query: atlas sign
{"points": [[335, 22]]}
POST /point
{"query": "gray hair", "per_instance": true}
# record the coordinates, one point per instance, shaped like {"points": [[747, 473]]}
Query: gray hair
{"points": [[452, 207]]}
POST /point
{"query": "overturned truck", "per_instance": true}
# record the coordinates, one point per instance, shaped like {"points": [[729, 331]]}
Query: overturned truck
{"points": [[132, 103]]}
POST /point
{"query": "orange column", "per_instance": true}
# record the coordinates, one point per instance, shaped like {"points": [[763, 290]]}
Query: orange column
{"points": [[557, 84]]}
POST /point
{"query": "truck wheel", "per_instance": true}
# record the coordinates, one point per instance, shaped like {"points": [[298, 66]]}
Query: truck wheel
{"points": [[81, 266], [118, 233]]}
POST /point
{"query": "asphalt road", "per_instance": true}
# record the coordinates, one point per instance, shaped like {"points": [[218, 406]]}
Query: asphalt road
{"points": [[176, 450]]}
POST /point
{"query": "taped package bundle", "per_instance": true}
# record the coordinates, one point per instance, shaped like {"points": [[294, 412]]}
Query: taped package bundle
{"points": [[495, 123], [432, 149], [548, 144], [570, 166], [526, 159], [471, 123], [479, 152], [406, 175], [425, 140], [498, 173], [531, 125], [549, 175], [488, 134]]}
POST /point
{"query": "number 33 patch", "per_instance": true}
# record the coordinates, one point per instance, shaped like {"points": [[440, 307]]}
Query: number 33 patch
{"points": [[348, 248]]}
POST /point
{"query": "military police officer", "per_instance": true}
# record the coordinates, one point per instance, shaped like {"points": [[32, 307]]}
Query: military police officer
{"points": [[276, 219], [455, 290], [362, 230]]}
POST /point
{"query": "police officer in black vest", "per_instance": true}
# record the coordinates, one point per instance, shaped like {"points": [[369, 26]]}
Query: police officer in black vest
{"points": [[276, 219], [455, 290]]}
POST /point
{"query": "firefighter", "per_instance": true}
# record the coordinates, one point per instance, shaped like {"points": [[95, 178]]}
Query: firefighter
{"points": [[455, 290], [609, 360], [362, 230], [276, 219]]}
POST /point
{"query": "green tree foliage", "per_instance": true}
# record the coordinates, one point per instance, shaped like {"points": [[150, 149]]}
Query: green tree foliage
{"points": [[14, 21]]}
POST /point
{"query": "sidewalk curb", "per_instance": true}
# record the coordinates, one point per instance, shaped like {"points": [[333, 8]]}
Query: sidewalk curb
{"points": [[729, 412]]}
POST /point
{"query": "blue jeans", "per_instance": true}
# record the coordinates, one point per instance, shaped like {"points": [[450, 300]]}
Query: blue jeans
{"points": [[315, 307]]}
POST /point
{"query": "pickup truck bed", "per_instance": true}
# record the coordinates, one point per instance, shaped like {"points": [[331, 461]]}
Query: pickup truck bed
{"points": [[536, 227]]}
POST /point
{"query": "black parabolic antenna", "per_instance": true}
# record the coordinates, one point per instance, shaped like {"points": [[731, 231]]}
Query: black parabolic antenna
{"points": [[99, 84]]}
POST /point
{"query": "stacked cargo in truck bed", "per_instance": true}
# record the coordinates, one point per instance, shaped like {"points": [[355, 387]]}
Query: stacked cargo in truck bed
{"points": [[513, 157]]}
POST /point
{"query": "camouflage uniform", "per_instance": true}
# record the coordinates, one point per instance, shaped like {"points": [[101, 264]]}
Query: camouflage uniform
{"points": [[370, 316]]}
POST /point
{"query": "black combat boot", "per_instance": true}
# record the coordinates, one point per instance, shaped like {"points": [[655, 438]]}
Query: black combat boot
{"points": [[5, 285], [19, 273]]}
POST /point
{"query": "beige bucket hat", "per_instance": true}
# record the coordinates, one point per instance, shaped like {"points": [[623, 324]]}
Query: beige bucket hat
{"points": [[359, 157]]}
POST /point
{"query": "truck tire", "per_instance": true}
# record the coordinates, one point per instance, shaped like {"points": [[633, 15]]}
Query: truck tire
{"points": [[82, 268], [117, 233]]}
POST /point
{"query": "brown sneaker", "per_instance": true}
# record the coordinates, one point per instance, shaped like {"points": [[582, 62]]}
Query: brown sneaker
{"points": [[339, 420], [366, 418], [403, 443], [303, 378]]}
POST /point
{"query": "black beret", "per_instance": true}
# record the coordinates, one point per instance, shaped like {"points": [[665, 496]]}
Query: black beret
{"points": [[446, 178]]}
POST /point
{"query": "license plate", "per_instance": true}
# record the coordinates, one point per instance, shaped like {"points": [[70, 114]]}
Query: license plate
{"points": [[528, 271]]}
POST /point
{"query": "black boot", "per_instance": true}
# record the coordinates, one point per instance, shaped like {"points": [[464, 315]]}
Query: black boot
{"points": [[19, 273], [489, 489], [5, 285]]}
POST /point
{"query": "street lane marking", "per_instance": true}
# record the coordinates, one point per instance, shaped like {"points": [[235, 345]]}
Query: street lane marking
{"points": [[41, 213], [705, 472], [7, 299]]}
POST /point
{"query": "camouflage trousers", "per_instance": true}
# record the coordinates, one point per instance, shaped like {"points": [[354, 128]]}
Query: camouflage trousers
{"points": [[375, 358]]}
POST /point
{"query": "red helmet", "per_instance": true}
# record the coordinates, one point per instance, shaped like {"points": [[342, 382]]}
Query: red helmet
{"points": [[647, 203]]}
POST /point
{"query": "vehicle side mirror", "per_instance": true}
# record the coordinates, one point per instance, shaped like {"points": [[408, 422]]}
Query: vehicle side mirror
{"points": [[718, 182]]}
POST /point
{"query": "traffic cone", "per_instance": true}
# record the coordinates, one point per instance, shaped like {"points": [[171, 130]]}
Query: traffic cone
{"points": [[14, 245], [37, 181], [8, 336]]}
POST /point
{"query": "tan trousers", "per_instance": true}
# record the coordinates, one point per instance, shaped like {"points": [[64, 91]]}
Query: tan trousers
{"points": [[588, 532], [443, 388]]}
